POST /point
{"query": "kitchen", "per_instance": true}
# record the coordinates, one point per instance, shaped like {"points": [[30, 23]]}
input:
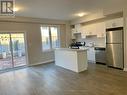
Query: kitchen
{"points": [[94, 35], [63, 47]]}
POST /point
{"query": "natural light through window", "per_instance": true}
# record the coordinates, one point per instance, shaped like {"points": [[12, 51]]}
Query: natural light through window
{"points": [[50, 37]]}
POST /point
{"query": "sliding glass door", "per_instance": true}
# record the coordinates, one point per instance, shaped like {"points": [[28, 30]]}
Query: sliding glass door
{"points": [[5, 52], [12, 50], [18, 49]]}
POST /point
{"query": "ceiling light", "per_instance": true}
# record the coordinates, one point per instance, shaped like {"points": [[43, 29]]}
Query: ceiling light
{"points": [[81, 14]]}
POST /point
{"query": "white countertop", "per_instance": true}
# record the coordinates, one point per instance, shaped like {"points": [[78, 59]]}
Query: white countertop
{"points": [[69, 49]]}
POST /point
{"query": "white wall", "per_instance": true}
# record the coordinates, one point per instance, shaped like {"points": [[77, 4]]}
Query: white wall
{"points": [[125, 38], [33, 34]]}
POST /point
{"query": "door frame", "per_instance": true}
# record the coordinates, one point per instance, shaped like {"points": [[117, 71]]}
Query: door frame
{"points": [[25, 42]]}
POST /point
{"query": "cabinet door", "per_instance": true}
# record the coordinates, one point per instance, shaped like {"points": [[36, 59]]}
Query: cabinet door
{"points": [[73, 30], [86, 29], [91, 54], [72, 33], [78, 28], [118, 22], [95, 29], [90, 29], [83, 35], [100, 29], [83, 32]]}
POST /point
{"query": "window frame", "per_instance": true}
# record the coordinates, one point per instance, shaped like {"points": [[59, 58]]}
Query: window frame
{"points": [[50, 37]]}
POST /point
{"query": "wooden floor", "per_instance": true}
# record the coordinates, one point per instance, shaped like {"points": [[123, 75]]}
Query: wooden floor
{"points": [[52, 80]]}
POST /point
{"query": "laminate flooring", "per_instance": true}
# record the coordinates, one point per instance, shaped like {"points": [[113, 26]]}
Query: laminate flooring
{"points": [[49, 79]]}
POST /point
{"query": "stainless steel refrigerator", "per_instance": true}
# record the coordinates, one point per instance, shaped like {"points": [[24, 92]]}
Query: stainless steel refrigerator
{"points": [[115, 47]]}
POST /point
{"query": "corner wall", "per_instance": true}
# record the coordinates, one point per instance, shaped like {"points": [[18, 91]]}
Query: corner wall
{"points": [[125, 38]]}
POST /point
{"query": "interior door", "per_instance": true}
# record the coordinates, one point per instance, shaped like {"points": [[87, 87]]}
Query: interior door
{"points": [[5, 52]]}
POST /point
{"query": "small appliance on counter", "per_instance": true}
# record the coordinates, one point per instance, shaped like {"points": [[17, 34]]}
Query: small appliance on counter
{"points": [[77, 45], [100, 55]]}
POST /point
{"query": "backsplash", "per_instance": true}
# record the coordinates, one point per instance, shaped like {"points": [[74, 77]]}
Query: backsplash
{"points": [[101, 42]]}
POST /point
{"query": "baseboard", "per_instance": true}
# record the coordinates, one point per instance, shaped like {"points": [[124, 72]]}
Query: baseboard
{"points": [[49, 61], [125, 69]]}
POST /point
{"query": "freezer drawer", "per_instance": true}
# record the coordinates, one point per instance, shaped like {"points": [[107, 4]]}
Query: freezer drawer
{"points": [[114, 36], [114, 55]]}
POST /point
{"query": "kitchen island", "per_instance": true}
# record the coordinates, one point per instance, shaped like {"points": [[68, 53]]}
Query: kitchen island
{"points": [[72, 59]]}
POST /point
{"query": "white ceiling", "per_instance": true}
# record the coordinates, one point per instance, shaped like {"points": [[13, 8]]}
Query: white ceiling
{"points": [[62, 9]]}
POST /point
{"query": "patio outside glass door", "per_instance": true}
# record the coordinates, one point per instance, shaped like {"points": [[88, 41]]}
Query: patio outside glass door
{"points": [[5, 52], [12, 50], [18, 49]]}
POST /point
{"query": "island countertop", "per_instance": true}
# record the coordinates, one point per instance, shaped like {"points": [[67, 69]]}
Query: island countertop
{"points": [[72, 59], [69, 49]]}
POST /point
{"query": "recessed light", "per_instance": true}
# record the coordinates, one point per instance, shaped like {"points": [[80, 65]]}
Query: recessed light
{"points": [[81, 14]]}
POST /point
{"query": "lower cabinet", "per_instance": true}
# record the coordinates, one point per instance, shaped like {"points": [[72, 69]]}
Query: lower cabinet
{"points": [[91, 55]]}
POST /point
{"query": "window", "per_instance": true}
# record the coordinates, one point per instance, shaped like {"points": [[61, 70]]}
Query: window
{"points": [[45, 38], [50, 37]]}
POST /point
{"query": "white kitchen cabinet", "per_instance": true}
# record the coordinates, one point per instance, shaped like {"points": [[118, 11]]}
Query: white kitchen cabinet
{"points": [[94, 29], [100, 29], [84, 32], [90, 29], [83, 35], [72, 33], [78, 28], [72, 59], [118, 22], [91, 54], [87, 30], [112, 10]]}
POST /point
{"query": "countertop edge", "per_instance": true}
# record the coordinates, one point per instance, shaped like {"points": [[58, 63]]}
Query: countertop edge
{"points": [[68, 49]]}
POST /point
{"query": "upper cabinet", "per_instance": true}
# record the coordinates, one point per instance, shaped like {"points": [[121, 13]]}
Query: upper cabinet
{"points": [[100, 29], [72, 33], [97, 29], [118, 22], [78, 28], [112, 10]]}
